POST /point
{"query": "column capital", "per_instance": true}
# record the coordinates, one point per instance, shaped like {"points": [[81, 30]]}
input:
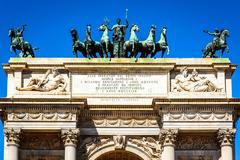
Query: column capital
{"points": [[168, 136], [13, 136], [226, 136], [70, 136]]}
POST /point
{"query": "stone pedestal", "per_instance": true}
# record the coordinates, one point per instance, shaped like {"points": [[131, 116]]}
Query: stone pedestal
{"points": [[226, 137], [167, 139], [120, 107], [70, 142], [13, 139]]}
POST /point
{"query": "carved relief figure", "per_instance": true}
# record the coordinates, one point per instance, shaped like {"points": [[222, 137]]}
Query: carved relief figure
{"points": [[150, 145], [89, 144], [119, 141], [193, 83], [54, 82], [119, 38]]}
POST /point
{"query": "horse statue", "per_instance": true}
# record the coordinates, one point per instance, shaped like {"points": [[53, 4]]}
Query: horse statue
{"points": [[77, 44], [219, 44], [92, 47], [107, 46], [132, 45], [162, 44], [148, 46], [17, 43]]}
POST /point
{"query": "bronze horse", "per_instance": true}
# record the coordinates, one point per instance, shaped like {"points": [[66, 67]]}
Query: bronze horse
{"points": [[107, 45], [77, 44], [149, 45], [88, 48], [210, 49], [132, 45], [25, 47], [162, 44], [92, 47]]}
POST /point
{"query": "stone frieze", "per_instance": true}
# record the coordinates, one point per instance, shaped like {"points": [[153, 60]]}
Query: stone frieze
{"points": [[42, 116]]}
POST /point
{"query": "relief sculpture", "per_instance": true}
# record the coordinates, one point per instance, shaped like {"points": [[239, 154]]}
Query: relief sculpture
{"points": [[47, 83], [149, 144], [185, 82]]}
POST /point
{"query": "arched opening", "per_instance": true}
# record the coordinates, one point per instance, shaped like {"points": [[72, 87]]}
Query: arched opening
{"points": [[119, 155]]}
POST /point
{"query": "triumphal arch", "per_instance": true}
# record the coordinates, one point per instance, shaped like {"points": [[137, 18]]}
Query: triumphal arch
{"points": [[96, 109]]}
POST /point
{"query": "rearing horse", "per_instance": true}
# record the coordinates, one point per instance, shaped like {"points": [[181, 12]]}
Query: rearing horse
{"points": [[210, 49], [132, 45], [25, 47], [107, 46], [148, 46]]}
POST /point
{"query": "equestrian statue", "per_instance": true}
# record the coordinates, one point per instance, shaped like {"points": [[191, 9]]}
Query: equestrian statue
{"points": [[219, 42], [119, 47], [17, 42]]}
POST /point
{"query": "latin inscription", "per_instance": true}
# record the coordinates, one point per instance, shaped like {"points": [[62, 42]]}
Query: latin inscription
{"points": [[118, 84]]}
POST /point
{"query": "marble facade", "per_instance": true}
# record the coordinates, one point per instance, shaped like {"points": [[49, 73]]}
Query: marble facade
{"points": [[94, 109]]}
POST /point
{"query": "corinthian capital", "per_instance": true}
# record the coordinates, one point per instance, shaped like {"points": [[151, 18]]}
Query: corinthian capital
{"points": [[168, 136], [226, 136], [70, 136], [12, 135]]}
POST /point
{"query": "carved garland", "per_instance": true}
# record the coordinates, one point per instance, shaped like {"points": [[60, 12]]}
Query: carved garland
{"points": [[131, 122], [198, 116], [42, 116]]}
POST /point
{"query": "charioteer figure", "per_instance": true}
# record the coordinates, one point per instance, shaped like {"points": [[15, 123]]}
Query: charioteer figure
{"points": [[118, 37]]}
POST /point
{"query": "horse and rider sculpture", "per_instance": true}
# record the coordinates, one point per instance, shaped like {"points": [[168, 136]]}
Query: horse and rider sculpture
{"points": [[18, 43], [219, 43], [118, 47]]}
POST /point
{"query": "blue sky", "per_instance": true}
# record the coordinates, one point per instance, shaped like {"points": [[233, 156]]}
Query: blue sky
{"points": [[49, 22]]}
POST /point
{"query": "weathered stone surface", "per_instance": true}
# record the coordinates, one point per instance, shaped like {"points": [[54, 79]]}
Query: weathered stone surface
{"points": [[119, 106], [123, 77]]}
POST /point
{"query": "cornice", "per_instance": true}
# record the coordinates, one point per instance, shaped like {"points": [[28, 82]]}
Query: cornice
{"points": [[123, 64]]}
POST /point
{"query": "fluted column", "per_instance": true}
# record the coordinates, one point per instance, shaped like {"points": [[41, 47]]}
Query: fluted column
{"points": [[226, 139], [70, 138], [13, 139], [167, 139]]}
